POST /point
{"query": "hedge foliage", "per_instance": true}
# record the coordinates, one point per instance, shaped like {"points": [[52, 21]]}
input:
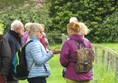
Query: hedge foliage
{"points": [[91, 12], [28, 12], [25, 13], [1, 27], [101, 17], [109, 28]]}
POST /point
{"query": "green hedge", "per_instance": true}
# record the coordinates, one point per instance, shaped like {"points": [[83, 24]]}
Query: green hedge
{"points": [[92, 13]]}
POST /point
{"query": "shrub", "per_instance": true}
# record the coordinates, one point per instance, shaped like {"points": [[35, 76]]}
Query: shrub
{"points": [[91, 12], [1, 27], [109, 31]]}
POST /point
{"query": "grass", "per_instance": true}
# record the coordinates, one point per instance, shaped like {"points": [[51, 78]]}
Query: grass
{"points": [[111, 45], [100, 73]]}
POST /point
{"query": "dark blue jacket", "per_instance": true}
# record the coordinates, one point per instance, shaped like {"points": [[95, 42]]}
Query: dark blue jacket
{"points": [[15, 43]]}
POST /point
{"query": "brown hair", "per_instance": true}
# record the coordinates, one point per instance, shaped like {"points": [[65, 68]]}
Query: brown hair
{"points": [[74, 27]]}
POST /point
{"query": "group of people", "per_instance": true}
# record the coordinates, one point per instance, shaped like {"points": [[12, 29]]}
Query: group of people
{"points": [[38, 52]]}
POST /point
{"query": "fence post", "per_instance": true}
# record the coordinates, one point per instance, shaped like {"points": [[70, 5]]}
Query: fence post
{"points": [[112, 61], [108, 61], [116, 68], [103, 56], [96, 54]]}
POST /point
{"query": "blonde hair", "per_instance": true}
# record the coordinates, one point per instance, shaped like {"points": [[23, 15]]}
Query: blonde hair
{"points": [[85, 30], [16, 24], [42, 25], [27, 26], [42, 28], [34, 27], [74, 27]]}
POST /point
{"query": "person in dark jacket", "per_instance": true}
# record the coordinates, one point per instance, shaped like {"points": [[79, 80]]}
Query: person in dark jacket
{"points": [[14, 39], [75, 32], [5, 59]]}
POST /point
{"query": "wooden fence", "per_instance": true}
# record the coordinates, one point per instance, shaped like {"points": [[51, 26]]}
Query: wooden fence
{"points": [[107, 57]]}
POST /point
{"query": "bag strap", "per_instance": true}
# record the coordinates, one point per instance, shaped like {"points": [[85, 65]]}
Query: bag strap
{"points": [[28, 43], [24, 51], [78, 44], [84, 42]]}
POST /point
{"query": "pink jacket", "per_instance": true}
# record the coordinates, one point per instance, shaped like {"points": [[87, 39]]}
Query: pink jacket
{"points": [[69, 47]]}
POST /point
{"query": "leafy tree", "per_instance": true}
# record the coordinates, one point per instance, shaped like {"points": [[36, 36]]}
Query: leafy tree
{"points": [[26, 13], [91, 12], [1, 27], [109, 28], [5, 4]]}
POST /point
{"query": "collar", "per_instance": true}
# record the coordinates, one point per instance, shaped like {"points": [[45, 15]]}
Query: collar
{"points": [[34, 38], [15, 35]]}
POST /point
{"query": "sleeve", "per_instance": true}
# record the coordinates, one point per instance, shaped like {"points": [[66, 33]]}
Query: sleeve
{"points": [[64, 56], [6, 57], [40, 56]]}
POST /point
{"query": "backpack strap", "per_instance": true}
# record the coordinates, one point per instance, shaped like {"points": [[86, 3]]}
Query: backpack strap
{"points": [[24, 50], [78, 44], [84, 42], [28, 43]]}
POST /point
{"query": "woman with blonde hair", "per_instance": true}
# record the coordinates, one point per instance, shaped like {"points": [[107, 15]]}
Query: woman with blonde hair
{"points": [[85, 30], [44, 39], [26, 35], [68, 55], [36, 56]]}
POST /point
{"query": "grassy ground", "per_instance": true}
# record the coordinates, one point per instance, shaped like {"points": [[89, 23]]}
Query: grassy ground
{"points": [[100, 75], [113, 46]]}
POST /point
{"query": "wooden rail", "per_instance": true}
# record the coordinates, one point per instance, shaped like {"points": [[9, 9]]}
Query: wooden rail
{"points": [[106, 56]]}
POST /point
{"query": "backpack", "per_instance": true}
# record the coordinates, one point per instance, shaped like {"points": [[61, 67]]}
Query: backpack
{"points": [[21, 71], [84, 61]]}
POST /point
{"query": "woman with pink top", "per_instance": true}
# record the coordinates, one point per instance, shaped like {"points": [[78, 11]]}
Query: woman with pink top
{"points": [[74, 31]]}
